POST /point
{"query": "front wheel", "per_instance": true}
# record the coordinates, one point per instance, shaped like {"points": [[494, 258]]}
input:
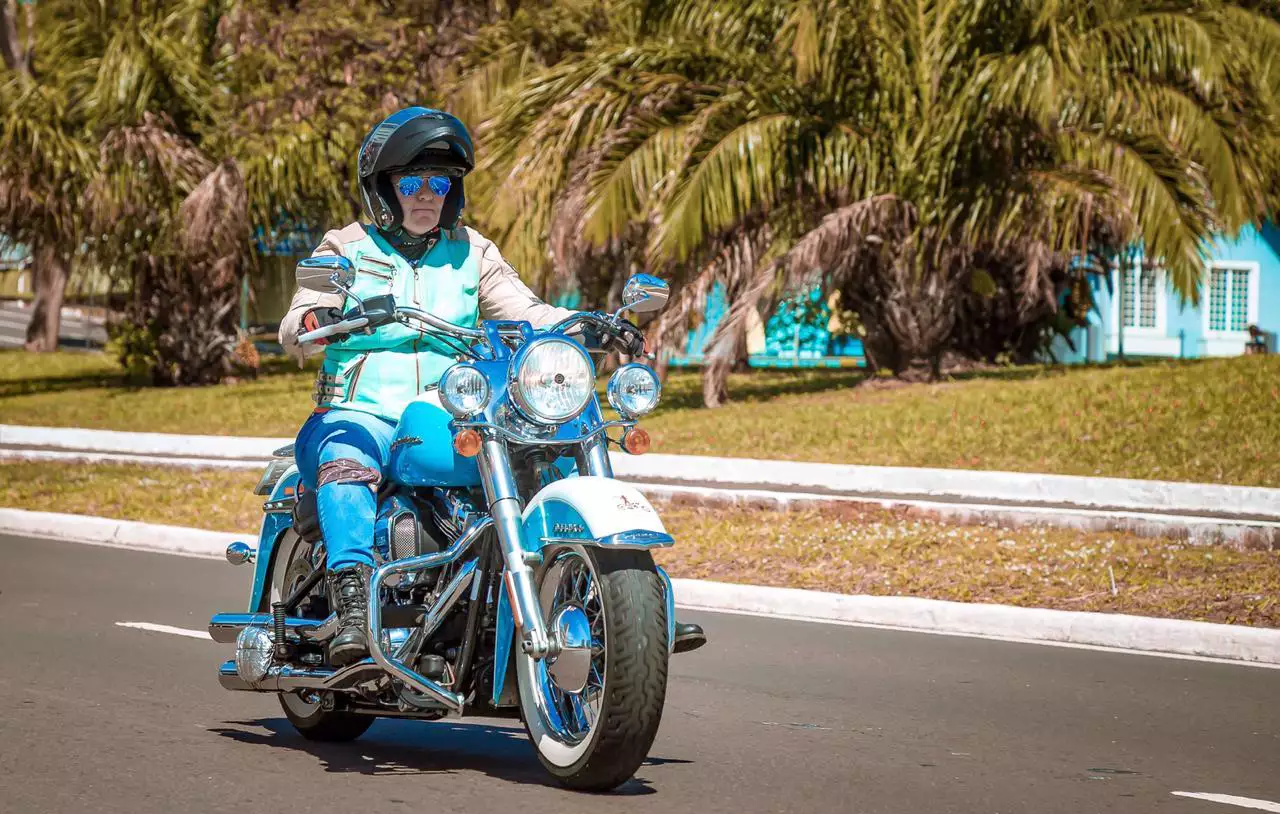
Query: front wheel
{"points": [[592, 712]]}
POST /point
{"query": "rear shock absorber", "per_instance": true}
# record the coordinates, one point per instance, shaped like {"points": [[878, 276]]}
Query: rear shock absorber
{"points": [[283, 650]]}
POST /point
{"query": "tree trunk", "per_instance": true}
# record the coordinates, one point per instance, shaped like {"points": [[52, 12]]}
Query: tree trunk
{"points": [[662, 366], [715, 382], [16, 54], [49, 278], [908, 318]]}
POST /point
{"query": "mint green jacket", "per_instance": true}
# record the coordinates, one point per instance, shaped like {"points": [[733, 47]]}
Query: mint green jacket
{"points": [[462, 278]]}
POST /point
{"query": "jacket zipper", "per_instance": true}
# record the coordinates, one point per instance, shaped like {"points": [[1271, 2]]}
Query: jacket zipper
{"points": [[417, 350], [356, 370], [381, 275]]}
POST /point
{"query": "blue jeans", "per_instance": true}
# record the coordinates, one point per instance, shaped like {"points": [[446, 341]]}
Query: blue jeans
{"points": [[341, 455]]}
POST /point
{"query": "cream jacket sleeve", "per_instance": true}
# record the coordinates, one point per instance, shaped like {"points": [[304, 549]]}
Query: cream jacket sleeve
{"points": [[304, 299], [503, 295]]}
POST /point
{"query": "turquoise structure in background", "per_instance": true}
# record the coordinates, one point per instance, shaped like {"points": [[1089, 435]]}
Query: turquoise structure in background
{"points": [[1241, 287], [797, 335]]}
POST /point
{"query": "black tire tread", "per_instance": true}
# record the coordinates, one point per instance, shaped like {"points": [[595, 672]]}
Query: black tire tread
{"points": [[635, 671]]}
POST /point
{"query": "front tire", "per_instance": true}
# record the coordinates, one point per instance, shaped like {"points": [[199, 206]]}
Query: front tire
{"points": [[596, 738], [292, 564]]}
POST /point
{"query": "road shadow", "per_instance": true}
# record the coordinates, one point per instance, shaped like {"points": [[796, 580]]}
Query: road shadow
{"points": [[400, 747]]}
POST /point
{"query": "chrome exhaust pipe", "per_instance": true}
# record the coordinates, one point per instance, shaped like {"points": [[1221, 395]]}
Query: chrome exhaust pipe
{"points": [[284, 678], [225, 627]]}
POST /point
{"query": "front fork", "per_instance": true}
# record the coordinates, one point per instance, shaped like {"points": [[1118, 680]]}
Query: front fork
{"points": [[506, 509]]}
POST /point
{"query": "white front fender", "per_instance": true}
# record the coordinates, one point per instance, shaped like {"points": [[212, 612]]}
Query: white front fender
{"points": [[593, 511]]}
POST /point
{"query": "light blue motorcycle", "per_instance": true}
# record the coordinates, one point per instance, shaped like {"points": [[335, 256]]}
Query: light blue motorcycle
{"points": [[511, 550]]}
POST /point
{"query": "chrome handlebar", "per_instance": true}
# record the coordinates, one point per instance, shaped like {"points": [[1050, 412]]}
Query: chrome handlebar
{"points": [[434, 324], [346, 326], [404, 313]]}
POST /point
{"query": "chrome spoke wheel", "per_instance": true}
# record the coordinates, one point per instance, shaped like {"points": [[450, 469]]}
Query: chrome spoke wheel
{"points": [[571, 685], [592, 710]]}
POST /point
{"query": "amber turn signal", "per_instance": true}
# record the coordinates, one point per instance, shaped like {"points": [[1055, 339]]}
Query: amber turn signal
{"points": [[467, 443], [636, 441]]}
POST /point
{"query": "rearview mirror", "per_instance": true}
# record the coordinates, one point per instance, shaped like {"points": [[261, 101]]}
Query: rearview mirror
{"points": [[644, 294], [328, 275]]}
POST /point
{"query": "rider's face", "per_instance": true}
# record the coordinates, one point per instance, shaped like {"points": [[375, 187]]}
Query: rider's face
{"points": [[421, 209]]}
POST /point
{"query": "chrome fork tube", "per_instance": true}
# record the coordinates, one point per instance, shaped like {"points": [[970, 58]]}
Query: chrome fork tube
{"points": [[501, 491], [593, 457]]}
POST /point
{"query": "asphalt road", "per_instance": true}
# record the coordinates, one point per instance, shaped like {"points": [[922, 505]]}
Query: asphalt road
{"points": [[75, 331], [771, 716]]}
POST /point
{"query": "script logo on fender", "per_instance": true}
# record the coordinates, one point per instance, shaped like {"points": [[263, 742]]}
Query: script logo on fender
{"points": [[625, 504]]}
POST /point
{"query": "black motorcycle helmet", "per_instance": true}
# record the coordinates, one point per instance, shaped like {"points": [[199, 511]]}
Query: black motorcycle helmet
{"points": [[414, 139]]}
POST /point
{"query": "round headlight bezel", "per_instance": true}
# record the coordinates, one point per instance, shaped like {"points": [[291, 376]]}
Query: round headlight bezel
{"points": [[616, 394], [455, 409], [516, 392]]}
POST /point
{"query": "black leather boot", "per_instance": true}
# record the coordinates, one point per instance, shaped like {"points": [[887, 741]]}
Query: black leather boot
{"points": [[348, 597], [689, 637]]}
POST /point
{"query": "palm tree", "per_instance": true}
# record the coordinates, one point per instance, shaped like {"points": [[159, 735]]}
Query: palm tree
{"points": [[44, 164], [892, 145]]}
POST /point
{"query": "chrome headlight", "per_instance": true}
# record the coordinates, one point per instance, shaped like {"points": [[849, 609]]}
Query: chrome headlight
{"points": [[634, 390], [464, 391], [552, 380]]}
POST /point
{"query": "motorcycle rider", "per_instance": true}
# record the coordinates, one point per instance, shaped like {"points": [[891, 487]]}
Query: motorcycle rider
{"points": [[411, 168]]}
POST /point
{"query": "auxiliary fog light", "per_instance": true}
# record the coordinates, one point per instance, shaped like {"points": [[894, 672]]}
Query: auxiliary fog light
{"points": [[464, 390], [634, 390]]}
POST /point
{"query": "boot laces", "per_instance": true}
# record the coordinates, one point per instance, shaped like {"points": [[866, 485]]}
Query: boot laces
{"points": [[351, 599]]}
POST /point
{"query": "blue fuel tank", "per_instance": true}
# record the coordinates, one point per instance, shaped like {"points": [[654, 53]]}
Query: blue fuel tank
{"points": [[422, 452]]}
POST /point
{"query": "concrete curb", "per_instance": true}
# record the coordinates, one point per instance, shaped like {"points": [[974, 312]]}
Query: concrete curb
{"points": [[1205, 530], [1257, 646], [1010, 489], [105, 531], [946, 486], [1109, 630], [223, 447]]}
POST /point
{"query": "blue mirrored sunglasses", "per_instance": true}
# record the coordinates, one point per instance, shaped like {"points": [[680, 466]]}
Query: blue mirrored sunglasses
{"points": [[411, 185]]}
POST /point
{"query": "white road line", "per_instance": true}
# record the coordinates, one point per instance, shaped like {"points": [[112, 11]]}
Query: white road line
{"points": [[1231, 800], [177, 631]]}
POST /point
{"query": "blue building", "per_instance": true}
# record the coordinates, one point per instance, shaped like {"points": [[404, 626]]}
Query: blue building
{"points": [[803, 332], [1241, 288]]}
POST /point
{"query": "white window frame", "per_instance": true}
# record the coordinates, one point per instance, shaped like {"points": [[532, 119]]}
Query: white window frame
{"points": [[1142, 341], [1230, 343]]}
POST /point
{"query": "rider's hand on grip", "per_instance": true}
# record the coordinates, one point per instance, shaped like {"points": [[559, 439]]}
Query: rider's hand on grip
{"points": [[630, 339], [318, 318]]}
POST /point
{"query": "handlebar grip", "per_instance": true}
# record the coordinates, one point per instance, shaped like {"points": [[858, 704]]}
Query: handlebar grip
{"points": [[346, 326]]}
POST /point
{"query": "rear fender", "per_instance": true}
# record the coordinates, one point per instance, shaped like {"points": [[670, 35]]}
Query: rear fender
{"points": [[274, 525]]}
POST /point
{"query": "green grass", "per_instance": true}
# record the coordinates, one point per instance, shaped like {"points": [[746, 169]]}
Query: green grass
{"points": [[1209, 421], [848, 550]]}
